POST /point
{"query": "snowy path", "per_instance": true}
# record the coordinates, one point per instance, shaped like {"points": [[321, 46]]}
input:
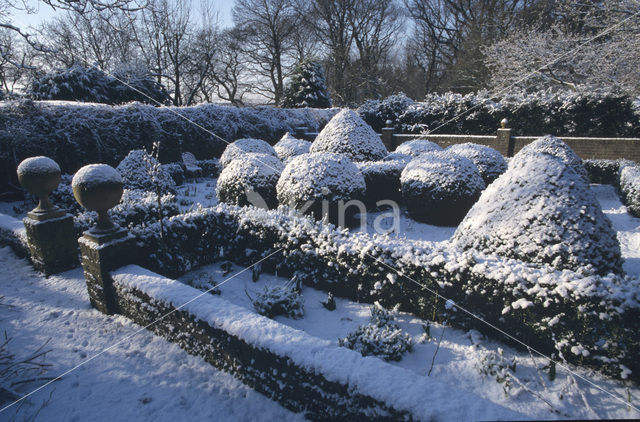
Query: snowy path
{"points": [[143, 378]]}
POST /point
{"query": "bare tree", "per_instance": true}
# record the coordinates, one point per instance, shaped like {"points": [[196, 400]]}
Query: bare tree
{"points": [[229, 73]]}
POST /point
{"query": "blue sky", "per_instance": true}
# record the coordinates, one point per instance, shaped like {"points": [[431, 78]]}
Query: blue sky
{"points": [[44, 12]]}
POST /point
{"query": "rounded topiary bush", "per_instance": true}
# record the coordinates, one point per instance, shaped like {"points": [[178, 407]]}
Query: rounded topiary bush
{"points": [[439, 188], [245, 146], [630, 188], [309, 180], [603, 172], [417, 147], [382, 179], [346, 133], [289, 147], [140, 170], [250, 180], [553, 146], [490, 162], [541, 211]]}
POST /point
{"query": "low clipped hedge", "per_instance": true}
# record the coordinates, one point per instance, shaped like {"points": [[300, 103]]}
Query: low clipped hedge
{"points": [[77, 134], [592, 319]]}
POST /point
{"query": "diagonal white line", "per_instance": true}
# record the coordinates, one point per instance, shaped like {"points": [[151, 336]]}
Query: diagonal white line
{"points": [[138, 331], [560, 364]]}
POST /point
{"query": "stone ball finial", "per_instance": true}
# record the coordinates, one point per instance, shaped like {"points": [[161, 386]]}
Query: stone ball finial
{"points": [[98, 187], [388, 123], [503, 123], [40, 176]]}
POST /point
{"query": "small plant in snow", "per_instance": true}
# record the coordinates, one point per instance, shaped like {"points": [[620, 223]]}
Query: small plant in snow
{"points": [[204, 281], [284, 299], [380, 337], [330, 303], [495, 364]]}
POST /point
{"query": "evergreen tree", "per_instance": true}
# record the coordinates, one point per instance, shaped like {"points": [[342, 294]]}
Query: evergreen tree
{"points": [[307, 87]]}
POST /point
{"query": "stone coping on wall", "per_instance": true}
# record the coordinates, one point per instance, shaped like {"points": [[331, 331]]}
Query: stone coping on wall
{"points": [[302, 372]]}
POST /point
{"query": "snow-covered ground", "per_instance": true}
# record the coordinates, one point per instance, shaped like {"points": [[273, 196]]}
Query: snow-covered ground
{"points": [[142, 378], [145, 377]]}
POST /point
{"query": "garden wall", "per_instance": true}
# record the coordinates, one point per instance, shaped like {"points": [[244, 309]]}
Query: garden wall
{"points": [[303, 373]]}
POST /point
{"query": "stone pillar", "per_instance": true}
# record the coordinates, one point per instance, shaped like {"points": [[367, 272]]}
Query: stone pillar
{"points": [[50, 231], [300, 132], [504, 138], [387, 136], [105, 247]]}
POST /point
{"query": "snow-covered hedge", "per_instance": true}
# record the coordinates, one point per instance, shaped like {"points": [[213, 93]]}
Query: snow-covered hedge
{"points": [[250, 179], [139, 170], [346, 133], [416, 147], [245, 146], [602, 171], [490, 162], [210, 168], [541, 211], [563, 113], [544, 307], [76, 134], [630, 188], [439, 188], [289, 147], [398, 156], [317, 183], [382, 179], [550, 145]]}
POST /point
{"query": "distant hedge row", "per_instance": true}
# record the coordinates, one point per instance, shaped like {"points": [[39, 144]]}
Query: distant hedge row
{"points": [[76, 134], [559, 114]]}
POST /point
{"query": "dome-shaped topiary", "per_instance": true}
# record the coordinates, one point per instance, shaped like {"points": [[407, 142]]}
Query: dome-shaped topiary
{"points": [[417, 147], [309, 180], [245, 146], [630, 187], [140, 170], [439, 188], [250, 180], [490, 162], [346, 133], [553, 146], [382, 179], [289, 147], [541, 211]]}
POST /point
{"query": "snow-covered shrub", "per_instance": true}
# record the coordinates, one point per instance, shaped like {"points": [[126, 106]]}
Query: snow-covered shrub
{"points": [[439, 188], [307, 87], [562, 112], [380, 337], [541, 211], [94, 86], [308, 180], [630, 188], [553, 146], [289, 147], [210, 168], [377, 112], [346, 133], [602, 171], [250, 179], [245, 146], [398, 156], [495, 364], [175, 170], [283, 299], [490, 162], [138, 171], [136, 207], [382, 179], [416, 147]]}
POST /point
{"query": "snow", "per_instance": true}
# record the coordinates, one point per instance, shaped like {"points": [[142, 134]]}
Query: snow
{"points": [[244, 146], [396, 386], [490, 162], [319, 176], [289, 147], [38, 165], [416, 147], [94, 174], [398, 156], [142, 377], [141, 170], [630, 187], [553, 146], [541, 211], [254, 172], [346, 133]]}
